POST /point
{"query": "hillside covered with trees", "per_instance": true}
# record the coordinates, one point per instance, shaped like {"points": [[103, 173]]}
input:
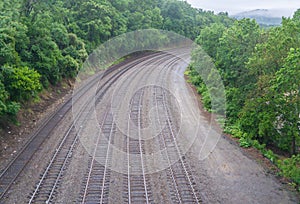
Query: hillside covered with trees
{"points": [[261, 73], [43, 42]]}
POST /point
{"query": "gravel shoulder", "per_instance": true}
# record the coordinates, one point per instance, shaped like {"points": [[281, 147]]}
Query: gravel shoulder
{"points": [[222, 171], [30, 118], [227, 173]]}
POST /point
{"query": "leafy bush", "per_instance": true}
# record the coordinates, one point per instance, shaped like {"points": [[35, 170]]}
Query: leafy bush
{"points": [[22, 83], [69, 67], [291, 168], [206, 99], [8, 109], [257, 145], [11, 113], [244, 142], [3, 98], [196, 80], [270, 155], [234, 130]]}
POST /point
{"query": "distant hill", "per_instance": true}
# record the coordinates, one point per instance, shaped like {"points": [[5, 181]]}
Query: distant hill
{"points": [[263, 17]]}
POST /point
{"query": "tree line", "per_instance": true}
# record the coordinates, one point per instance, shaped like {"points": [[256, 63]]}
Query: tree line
{"points": [[44, 42], [260, 69]]}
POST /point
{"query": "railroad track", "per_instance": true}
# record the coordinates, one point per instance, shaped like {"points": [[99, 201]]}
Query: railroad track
{"points": [[96, 187], [131, 146], [179, 174], [139, 190], [96, 184], [51, 177], [16, 166], [137, 178], [138, 182]]}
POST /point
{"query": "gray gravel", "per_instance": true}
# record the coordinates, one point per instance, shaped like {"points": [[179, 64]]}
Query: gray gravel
{"points": [[222, 172]]}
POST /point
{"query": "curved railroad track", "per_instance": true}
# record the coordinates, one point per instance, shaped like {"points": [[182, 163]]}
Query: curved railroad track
{"points": [[16, 166], [137, 181], [97, 172]]}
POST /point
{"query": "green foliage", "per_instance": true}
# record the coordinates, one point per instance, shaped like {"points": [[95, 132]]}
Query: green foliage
{"points": [[269, 55], [196, 80], [13, 41], [209, 37], [235, 131], [22, 83], [235, 46], [290, 168], [8, 109], [10, 115], [260, 70], [181, 18], [230, 48], [269, 155], [234, 103], [69, 67], [257, 145], [59, 35], [206, 100], [244, 142], [286, 84], [3, 99], [211, 89], [271, 116], [53, 38]]}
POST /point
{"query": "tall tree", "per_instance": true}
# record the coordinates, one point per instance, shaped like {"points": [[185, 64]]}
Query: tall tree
{"points": [[287, 87], [209, 38], [235, 46]]}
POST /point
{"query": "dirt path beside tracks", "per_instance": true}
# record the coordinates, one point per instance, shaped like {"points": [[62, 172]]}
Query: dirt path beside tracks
{"points": [[143, 139]]}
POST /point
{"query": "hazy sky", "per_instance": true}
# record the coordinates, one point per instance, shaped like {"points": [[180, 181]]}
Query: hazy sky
{"points": [[282, 7]]}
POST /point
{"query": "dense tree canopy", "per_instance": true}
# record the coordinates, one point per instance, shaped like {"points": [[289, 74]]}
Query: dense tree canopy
{"points": [[260, 69], [43, 42], [261, 72]]}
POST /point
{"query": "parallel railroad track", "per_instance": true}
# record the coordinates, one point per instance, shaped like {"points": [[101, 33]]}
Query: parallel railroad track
{"points": [[16, 166], [137, 178], [139, 190], [179, 174], [96, 183], [50, 179], [98, 177]]}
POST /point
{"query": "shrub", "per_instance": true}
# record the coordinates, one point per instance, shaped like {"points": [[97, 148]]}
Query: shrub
{"points": [[290, 168], [22, 83], [244, 142], [8, 109]]}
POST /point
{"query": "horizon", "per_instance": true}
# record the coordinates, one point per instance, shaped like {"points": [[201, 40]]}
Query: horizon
{"points": [[278, 7]]}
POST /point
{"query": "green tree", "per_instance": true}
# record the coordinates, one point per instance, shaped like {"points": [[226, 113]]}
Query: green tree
{"points": [[8, 108], [258, 115], [269, 55], [3, 99], [22, 83], [209, 38], [287, 87], [235, 46], [271, 113]]}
